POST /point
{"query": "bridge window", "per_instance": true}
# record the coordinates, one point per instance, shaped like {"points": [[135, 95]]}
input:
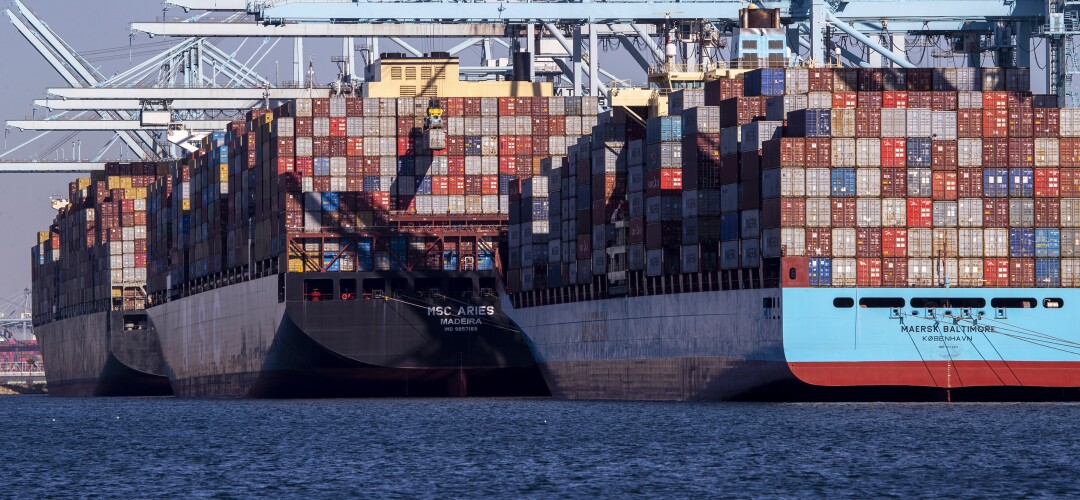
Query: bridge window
{"points": [[843, 302], [1053, 303], [971, 302], [318, 290], [881, 302], [1013, 303]]}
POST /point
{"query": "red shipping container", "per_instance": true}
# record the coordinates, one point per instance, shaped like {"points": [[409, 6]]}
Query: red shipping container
{"points": [[845, 100], [894, 182], [920, 79], [456, 184], [1022, 273], [1069, 182], [405, 125], [472, 106], [995, 152], [1047, 183], [338, 127], [454, 106], [490, 184], [1021, 122], [406, 146], [584, 246], [996, 272], [995, 100], [995, 122], [969, 183], [455, 165], [556, 125], [304, 165], [818, 242], [440, 185], [894, 152], [894, 99], [474, 185], [792, 151], [354, 146], [868, 242], [371, 166], [995, 212], [524, 106], [1069, 151], [818, 152], [843, 212], [1047, 212], [455, 145], [870, 100], [508, 144], [868, 272], [894, 242], [287, 164], [525, 167], [944, 101], [969, 123], [792, 212], [943, 186], [540, 145], [508, 106], [1045, 122], [540, 125], [867, 122], [1021, 152], [920, 212], [920, 99], [524, 144], [354, 166], [894, 272], [943, 155], [508, 165]]}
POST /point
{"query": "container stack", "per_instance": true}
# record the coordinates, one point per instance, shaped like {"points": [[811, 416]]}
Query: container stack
{"points": [[95, 258], [529, 230]]}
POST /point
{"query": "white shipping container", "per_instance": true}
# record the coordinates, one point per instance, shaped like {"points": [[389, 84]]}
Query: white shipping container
{"points": [[1022, 213], [893, 122], [843, 242], [868, 212], [844, 272], [971, 242], [816, 100], [868, 182], [867, 152], [818, 212], [690, 254], [920, 182], [944, 214], [970, 212], [944, 125], [1070, 122], [995, 242], [1047, 152], [796, 81], [750, 223], [1070, 242], [843, 152], [1070, 272], [818, 182], [920, 242], [792, 242], [894, 212], [969, 100], [751, 253], [793, 181], [970, 272], [919, 122], [489, 165], [946, 242], [1070, 212], [969, 152], [920, 272]]}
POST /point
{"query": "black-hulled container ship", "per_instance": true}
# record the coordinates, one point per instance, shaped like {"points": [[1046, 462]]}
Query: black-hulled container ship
{"points": [[89, 296], [347, 246]]}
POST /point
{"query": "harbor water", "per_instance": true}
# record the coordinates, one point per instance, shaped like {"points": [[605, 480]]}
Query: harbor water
{"points": [[165, 447]]}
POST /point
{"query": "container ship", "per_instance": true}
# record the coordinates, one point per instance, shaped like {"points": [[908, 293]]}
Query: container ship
{"points": [[89, 298], [791, 232], [341, 245]]}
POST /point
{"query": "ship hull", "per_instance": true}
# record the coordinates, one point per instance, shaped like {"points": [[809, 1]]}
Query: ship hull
{"points": [[264, 338], [93, 355], [944, 338], [691, 346]]}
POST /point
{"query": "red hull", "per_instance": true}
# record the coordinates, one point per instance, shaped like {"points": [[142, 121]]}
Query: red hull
{"points": [[942, 374]]}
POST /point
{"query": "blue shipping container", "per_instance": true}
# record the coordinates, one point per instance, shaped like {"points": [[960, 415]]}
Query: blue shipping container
{"points": [[485, 261], [1022, 242], [843, 182], [330, 262], [820, 272], [810, 123], [1048, 242], [406, 165], [766, 81], [363, 255], [663, 129], [331, 202], [729, 226], [504, 183], [371, 183], [1021, 182], [919, 152], [423, 185], [1047, 273], [996, 182]]}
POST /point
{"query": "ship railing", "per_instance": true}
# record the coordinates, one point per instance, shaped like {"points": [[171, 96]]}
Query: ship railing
{"points": [[21, 368]]}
